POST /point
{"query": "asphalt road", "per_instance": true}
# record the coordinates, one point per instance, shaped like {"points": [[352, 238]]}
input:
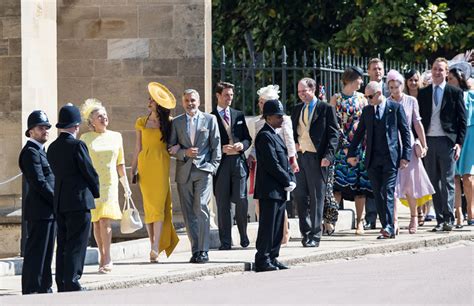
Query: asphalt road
{"points": [[423, 277]]}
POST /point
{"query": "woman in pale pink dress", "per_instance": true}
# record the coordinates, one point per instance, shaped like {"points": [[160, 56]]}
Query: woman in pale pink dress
{"points": [[413, 184]]}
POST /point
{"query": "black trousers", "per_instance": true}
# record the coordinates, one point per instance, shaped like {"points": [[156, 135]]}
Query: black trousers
{"points": [[309, 194], [36, 274], [230, 186], [73, 236], [270, 230], [383, 177]]}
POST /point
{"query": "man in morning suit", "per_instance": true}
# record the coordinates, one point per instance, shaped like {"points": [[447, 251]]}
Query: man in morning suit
{"points": [[76, 186], [274, 182], [230, 181], [382, 122], [443, 115], [36, 274], [197, 159], [315, 131]]}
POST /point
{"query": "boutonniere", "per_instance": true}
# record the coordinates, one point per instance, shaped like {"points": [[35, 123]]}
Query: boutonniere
{"points": [[389, 110], [203, 129]]}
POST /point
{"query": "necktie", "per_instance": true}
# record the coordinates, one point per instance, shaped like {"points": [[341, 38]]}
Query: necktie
{"points": [[226, 117], [377, 112], [192, 130], [436, 101], [306, 114]]}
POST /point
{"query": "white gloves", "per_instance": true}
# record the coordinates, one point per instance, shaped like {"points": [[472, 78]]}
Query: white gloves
{"points": [[126, 187], [291, 187]]}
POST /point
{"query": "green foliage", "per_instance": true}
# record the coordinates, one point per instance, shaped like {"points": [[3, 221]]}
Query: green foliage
{"points": [[408, 30]]}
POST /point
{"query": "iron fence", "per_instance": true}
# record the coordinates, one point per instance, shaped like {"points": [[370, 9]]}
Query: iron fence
{"points": [[250, 72]]}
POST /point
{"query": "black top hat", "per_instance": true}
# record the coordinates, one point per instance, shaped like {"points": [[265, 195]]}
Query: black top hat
{"points": [[37, 118], [357, 70], [69, 116], [273, 107]]}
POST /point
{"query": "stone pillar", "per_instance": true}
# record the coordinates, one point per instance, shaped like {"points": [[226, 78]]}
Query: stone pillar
{"points": [[39, 61]]}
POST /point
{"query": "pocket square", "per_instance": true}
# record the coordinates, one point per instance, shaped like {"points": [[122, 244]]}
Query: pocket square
{"points": [[239, 122]]}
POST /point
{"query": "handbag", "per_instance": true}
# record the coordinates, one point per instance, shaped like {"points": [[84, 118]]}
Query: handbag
{"points": [[131, 221]]}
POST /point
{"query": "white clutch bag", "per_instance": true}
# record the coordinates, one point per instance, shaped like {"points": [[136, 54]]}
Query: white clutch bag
{"points": [[131, 221]]}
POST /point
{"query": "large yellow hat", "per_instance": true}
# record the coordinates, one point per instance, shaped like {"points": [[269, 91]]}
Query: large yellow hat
{"points": [[161, 95]]}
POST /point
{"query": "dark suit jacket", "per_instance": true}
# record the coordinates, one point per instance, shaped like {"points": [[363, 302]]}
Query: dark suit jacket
{"points": [[39, 198], [77, 182], [273, 171], [324, 129], [452, 115], [395, 122], [240, 131]]}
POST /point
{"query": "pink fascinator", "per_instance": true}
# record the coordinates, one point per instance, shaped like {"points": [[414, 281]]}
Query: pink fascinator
{"points": [[394, 75]]}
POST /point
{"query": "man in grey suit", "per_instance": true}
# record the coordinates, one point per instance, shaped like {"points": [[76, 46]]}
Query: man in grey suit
{"points": [[197, 159]]}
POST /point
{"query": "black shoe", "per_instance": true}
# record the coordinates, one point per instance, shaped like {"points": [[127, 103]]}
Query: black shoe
{"points": [[225, 247], [458, 226], [194, 257], [202, 258], [312, 243], [244, 242], [369, 225], [447, 227], [437, 228], [279, 265], [385, 234], [265, 268], [305, 241]]}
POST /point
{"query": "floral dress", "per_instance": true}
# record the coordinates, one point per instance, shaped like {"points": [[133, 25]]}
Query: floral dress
{"points": [[350, 181]]}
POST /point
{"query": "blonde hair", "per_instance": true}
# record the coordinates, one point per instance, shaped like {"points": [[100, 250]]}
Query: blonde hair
{"points": [[89, 107]]}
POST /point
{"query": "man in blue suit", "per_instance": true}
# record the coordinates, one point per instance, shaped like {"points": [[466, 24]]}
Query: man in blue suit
{"points": [[383, 122]]}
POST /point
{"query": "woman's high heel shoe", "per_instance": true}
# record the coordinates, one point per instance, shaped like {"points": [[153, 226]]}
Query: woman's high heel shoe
{"points": [[412, 227], [360, 228], [153, 256]]}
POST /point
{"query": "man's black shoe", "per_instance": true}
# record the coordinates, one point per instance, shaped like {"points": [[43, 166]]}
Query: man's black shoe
{"points": [[437, 228], [194, 257], [265, 268], [225, 247], [244, 242], [312, 243], [447, 227], [279, 265], [202, 258], [369, 226], [305, 241]]}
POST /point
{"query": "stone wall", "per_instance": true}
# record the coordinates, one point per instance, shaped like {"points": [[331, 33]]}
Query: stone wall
{"points": [[10, 100], [111, 50]]}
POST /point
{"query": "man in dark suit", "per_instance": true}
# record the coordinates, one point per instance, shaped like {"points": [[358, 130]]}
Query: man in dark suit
{"points": [[274, 182], [382, 122], [443, 115], [38, 211], [315, 131], [230, 181], [76, 186]]}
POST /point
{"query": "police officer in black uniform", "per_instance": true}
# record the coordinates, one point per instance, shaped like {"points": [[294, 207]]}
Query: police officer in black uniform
{"points": [[38, 211], [76, 186], [274, 181]]}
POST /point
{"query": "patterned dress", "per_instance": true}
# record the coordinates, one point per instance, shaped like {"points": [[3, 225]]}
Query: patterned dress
{"points": [[350, 181]]}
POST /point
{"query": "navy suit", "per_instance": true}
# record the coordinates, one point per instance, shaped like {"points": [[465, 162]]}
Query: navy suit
{"points": [[383, 154], [76, 186], [39, 217], [230, 181], [273, 175]]}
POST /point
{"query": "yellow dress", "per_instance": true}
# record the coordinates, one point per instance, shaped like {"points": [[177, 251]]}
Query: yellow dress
{"points": [[154, 181], [106, 151]]}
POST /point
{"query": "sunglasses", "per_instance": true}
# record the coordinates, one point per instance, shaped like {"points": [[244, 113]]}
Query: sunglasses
{"points": [[370, 96]]}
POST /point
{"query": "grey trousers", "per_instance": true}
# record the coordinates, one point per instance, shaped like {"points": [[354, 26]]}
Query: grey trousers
{"points": [[440, 166], [194, 196], [309, 194]]}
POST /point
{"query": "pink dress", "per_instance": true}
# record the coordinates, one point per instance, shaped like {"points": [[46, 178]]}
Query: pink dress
{"points": [[413, 180]]}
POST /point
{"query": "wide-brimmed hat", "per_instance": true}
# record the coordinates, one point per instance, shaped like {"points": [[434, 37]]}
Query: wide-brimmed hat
{"points": [[273, 107], [162, 95], [465, 67], [69, 116], [37, 118]]}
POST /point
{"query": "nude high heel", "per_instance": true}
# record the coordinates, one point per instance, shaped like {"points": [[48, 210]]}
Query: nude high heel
{"points": [[412, 227], [360, 228]]}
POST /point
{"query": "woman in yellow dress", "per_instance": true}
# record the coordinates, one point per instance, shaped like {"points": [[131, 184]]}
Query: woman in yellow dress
{"points": [[151, 165], [106, 151]]}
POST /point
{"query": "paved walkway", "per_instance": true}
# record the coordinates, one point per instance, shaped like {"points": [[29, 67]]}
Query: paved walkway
{"points": [[343, 244]]}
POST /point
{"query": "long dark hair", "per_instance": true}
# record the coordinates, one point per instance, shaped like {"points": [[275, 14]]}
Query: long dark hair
{"points": [[165, 122], [459, 75]]}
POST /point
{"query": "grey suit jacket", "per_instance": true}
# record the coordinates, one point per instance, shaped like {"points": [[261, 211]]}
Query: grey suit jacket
{"points": [[207, 140]]}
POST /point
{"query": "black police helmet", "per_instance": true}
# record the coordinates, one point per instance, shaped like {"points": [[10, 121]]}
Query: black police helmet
{"points": [[37, 118], [69, 116], [273, 107]]}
